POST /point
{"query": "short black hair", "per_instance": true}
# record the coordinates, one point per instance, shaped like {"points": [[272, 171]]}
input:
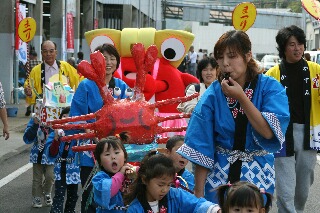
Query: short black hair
{"points": [[33, 53], [173, 141], [80, 55], [64, 111], [203, 64], [110, 49], [283, 36]]}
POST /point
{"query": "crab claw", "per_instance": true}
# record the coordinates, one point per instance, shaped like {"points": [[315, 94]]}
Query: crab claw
{"points": [[138, 54], [99, 64], [87, 70], [151, 57]]}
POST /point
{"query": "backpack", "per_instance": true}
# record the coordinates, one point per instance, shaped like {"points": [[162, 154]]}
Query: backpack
{"points": [[196, 87], [180, 107]]}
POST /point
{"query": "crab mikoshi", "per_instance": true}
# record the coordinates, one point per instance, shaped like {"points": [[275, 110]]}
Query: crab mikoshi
{"points": [[133, 115]]}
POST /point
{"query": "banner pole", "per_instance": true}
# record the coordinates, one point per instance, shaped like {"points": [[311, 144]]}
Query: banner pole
{"points": [[16, 74]]}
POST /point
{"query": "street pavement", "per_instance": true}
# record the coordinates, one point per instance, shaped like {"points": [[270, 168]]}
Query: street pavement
{"points": [[14, 145]]}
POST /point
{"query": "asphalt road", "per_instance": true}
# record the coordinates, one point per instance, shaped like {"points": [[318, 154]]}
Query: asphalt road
{"points": [[15, 196]]}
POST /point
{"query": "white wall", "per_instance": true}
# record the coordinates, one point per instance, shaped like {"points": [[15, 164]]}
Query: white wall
{"points": [[263, 40]]}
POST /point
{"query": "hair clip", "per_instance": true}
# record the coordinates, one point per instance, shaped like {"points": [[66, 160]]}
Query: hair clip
{"points": [[262, 191]]}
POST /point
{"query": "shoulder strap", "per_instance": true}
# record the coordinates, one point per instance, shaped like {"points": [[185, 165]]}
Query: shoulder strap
{"points": [[197, 87]]}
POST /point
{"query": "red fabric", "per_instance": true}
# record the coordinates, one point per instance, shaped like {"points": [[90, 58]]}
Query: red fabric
{"points": [[54, 148]]}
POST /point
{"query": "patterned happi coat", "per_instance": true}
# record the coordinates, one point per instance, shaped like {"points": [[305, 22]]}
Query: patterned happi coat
{"points": [[210, 135]]}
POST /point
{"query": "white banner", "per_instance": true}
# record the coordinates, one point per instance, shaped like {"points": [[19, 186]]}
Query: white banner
{"points": [[31, 1], [22, 45]]}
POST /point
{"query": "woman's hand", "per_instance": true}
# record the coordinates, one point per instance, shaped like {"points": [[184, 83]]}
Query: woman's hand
{"points": [[231, 88]]}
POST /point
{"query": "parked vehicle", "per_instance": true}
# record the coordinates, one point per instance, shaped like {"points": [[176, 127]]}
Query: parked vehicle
{"points": [[269, 61], [314, 56]]}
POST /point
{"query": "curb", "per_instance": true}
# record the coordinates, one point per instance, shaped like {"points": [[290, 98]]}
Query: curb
{"points": [[15, 152]]}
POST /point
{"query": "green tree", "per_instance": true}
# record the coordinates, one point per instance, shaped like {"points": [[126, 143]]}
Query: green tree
{"points": [[295, 6]]}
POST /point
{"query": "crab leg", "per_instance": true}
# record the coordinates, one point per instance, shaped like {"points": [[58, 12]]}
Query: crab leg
{"points": [[72, 119], [175, 100], [170, 129], [173, 117], [88, 147], [69, 126], [78, 136]]}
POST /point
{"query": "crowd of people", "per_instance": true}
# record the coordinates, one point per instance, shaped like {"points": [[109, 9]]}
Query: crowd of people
{"points": [[250, 134]]}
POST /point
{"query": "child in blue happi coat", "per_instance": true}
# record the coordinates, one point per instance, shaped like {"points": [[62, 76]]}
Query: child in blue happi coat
{"points": [[67, 171], [243, 196], [152, 191], [186, 178], [111, 157], [43, 177]]}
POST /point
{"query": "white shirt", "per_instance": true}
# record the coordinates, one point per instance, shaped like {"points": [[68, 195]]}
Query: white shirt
{"points": [[193, 57], [154, 206], [50, 70], [200, 56]]}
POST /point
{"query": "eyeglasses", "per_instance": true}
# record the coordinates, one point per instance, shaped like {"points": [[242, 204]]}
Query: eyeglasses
{"points": [[46, 52]]}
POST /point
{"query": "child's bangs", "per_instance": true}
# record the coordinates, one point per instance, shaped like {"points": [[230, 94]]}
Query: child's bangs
{"points": [[113, 144], [159, 170], [244, 197]]}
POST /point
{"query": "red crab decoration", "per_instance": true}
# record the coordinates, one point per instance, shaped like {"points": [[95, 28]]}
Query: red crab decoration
{"points": [[133, 115]]}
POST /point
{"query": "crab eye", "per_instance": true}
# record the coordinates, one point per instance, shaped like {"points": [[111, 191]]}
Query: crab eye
{"points": [[117, 91], [129, 92], [172, 49]]}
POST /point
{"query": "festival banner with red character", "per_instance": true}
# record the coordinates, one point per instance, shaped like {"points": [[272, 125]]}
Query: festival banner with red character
{"points": [[244, 16], [312, 7], [70, 33], [27, 29]]}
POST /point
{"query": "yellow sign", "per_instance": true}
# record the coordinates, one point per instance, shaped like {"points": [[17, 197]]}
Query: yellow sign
{"points": [[312, 7], [243, 16], [27, 29]]}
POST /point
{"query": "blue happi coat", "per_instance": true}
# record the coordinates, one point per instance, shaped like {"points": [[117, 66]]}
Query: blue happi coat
{"points": [[31, 135], [179, 200], [72, 161], [189, 178], [102, 194], [210, 135]]}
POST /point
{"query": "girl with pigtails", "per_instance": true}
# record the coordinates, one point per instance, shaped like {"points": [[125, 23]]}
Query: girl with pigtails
{"points": [[243, 196]]}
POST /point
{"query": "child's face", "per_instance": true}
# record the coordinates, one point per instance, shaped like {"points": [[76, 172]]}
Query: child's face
{"points": [[158, 187], [65, 115], [246, 210], [58, 88], [112, 160], [179, 162]]}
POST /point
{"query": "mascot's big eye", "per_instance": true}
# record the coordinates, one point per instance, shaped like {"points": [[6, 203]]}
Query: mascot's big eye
{"points": [[172, 49], [99, 40]]}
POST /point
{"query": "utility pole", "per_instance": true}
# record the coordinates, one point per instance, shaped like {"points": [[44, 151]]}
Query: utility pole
{"points": [[164, 5]]}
